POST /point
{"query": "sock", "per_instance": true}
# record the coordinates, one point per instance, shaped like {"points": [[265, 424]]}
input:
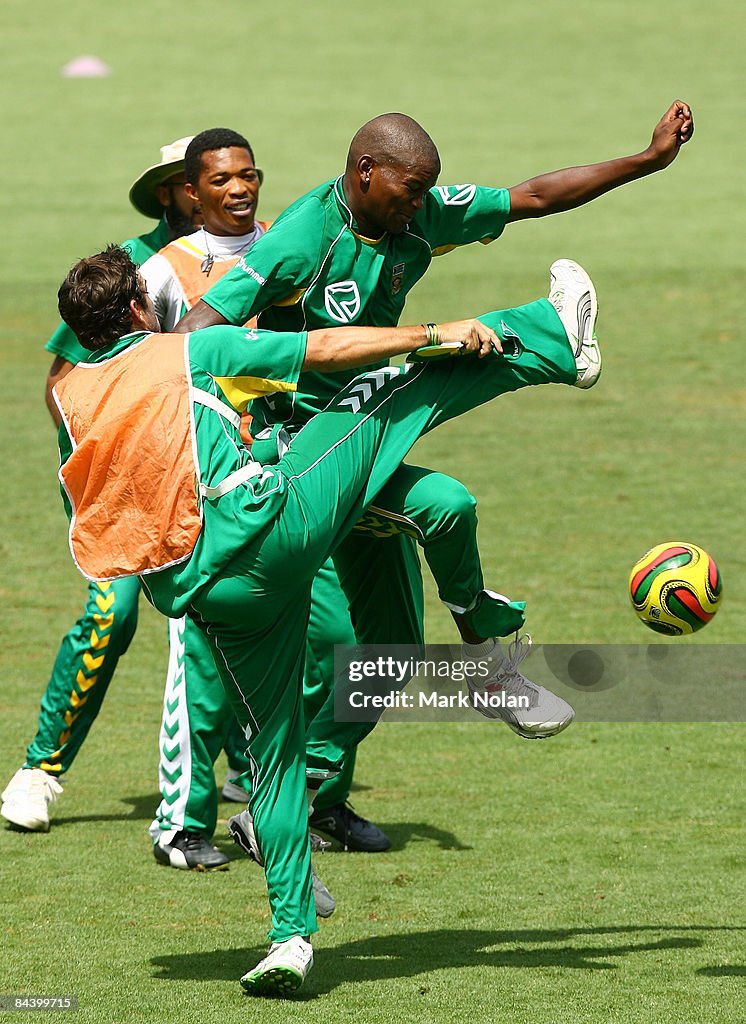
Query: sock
{"points": [[487, 646], [312, 791]]}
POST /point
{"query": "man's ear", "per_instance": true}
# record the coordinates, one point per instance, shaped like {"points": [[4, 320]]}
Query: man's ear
{"points": [[191, 191], [163, 195], [138, 315], [365, 167]]}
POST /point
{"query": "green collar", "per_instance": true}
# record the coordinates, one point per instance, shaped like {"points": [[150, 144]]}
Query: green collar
{"points": [[346, 212], [127, 340]]}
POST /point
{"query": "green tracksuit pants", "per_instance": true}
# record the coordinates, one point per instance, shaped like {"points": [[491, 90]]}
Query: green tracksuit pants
{"points": [[81, 674], [255, 611], [381, 581]]}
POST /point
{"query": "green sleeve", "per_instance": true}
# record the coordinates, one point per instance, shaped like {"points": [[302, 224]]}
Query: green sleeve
{"points": [[65, 343], [260, 361], [66, 450], [457, 215], [279, 264]]}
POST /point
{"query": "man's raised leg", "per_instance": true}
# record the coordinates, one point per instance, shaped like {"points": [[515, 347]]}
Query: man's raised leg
{"points": [[334, 468], [343, 457]]}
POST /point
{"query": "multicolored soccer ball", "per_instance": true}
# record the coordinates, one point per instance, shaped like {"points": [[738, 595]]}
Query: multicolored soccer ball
{"points": [[675, 588]]}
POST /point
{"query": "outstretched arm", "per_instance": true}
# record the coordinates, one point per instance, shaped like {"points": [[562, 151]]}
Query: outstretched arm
{"points": [[341, 348], [574, 186]]}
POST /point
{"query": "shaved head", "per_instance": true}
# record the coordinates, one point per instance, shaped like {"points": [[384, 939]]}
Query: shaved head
{"points": [[394, 139], [391, 165]]}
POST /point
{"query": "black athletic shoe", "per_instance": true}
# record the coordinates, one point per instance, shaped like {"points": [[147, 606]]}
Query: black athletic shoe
{"points": [[353, 832], [190, 852]]}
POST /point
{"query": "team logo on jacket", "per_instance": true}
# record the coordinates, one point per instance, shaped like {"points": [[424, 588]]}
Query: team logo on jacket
{"points": [[342, 301], [457, 195], [397, 276]]}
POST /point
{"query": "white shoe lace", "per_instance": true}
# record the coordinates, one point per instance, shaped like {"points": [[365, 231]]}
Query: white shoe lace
{"points": [[508, 678], [46, 786], [35, 785]]}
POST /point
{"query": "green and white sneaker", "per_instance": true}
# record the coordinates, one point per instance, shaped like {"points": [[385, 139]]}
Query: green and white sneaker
{"points": [[282, 971], [572, 294]]}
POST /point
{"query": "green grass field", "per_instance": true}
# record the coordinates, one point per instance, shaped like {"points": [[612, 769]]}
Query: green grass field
{"points": [[598, 877]]}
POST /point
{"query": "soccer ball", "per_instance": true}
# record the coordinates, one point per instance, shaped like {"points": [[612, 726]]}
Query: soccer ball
{"points": [[675, 588]]}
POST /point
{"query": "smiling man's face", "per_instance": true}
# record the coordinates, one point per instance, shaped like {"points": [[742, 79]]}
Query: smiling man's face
{"points": [[227, 191]]}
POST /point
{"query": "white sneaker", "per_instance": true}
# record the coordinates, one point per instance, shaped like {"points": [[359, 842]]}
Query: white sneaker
{"points": [[283, 970], [533, 712], [241, 827], [572, 294], [27, 797]]}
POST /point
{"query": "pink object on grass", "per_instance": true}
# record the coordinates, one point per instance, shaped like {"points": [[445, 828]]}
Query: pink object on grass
{"points": [[86, 67]]}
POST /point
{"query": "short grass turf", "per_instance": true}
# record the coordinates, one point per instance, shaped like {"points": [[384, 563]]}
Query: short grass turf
{"points": [[596, 877]]}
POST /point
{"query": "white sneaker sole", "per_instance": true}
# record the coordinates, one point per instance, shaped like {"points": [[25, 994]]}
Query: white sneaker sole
{"points": [[542, 730], [17, 817], [564, 273]]}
